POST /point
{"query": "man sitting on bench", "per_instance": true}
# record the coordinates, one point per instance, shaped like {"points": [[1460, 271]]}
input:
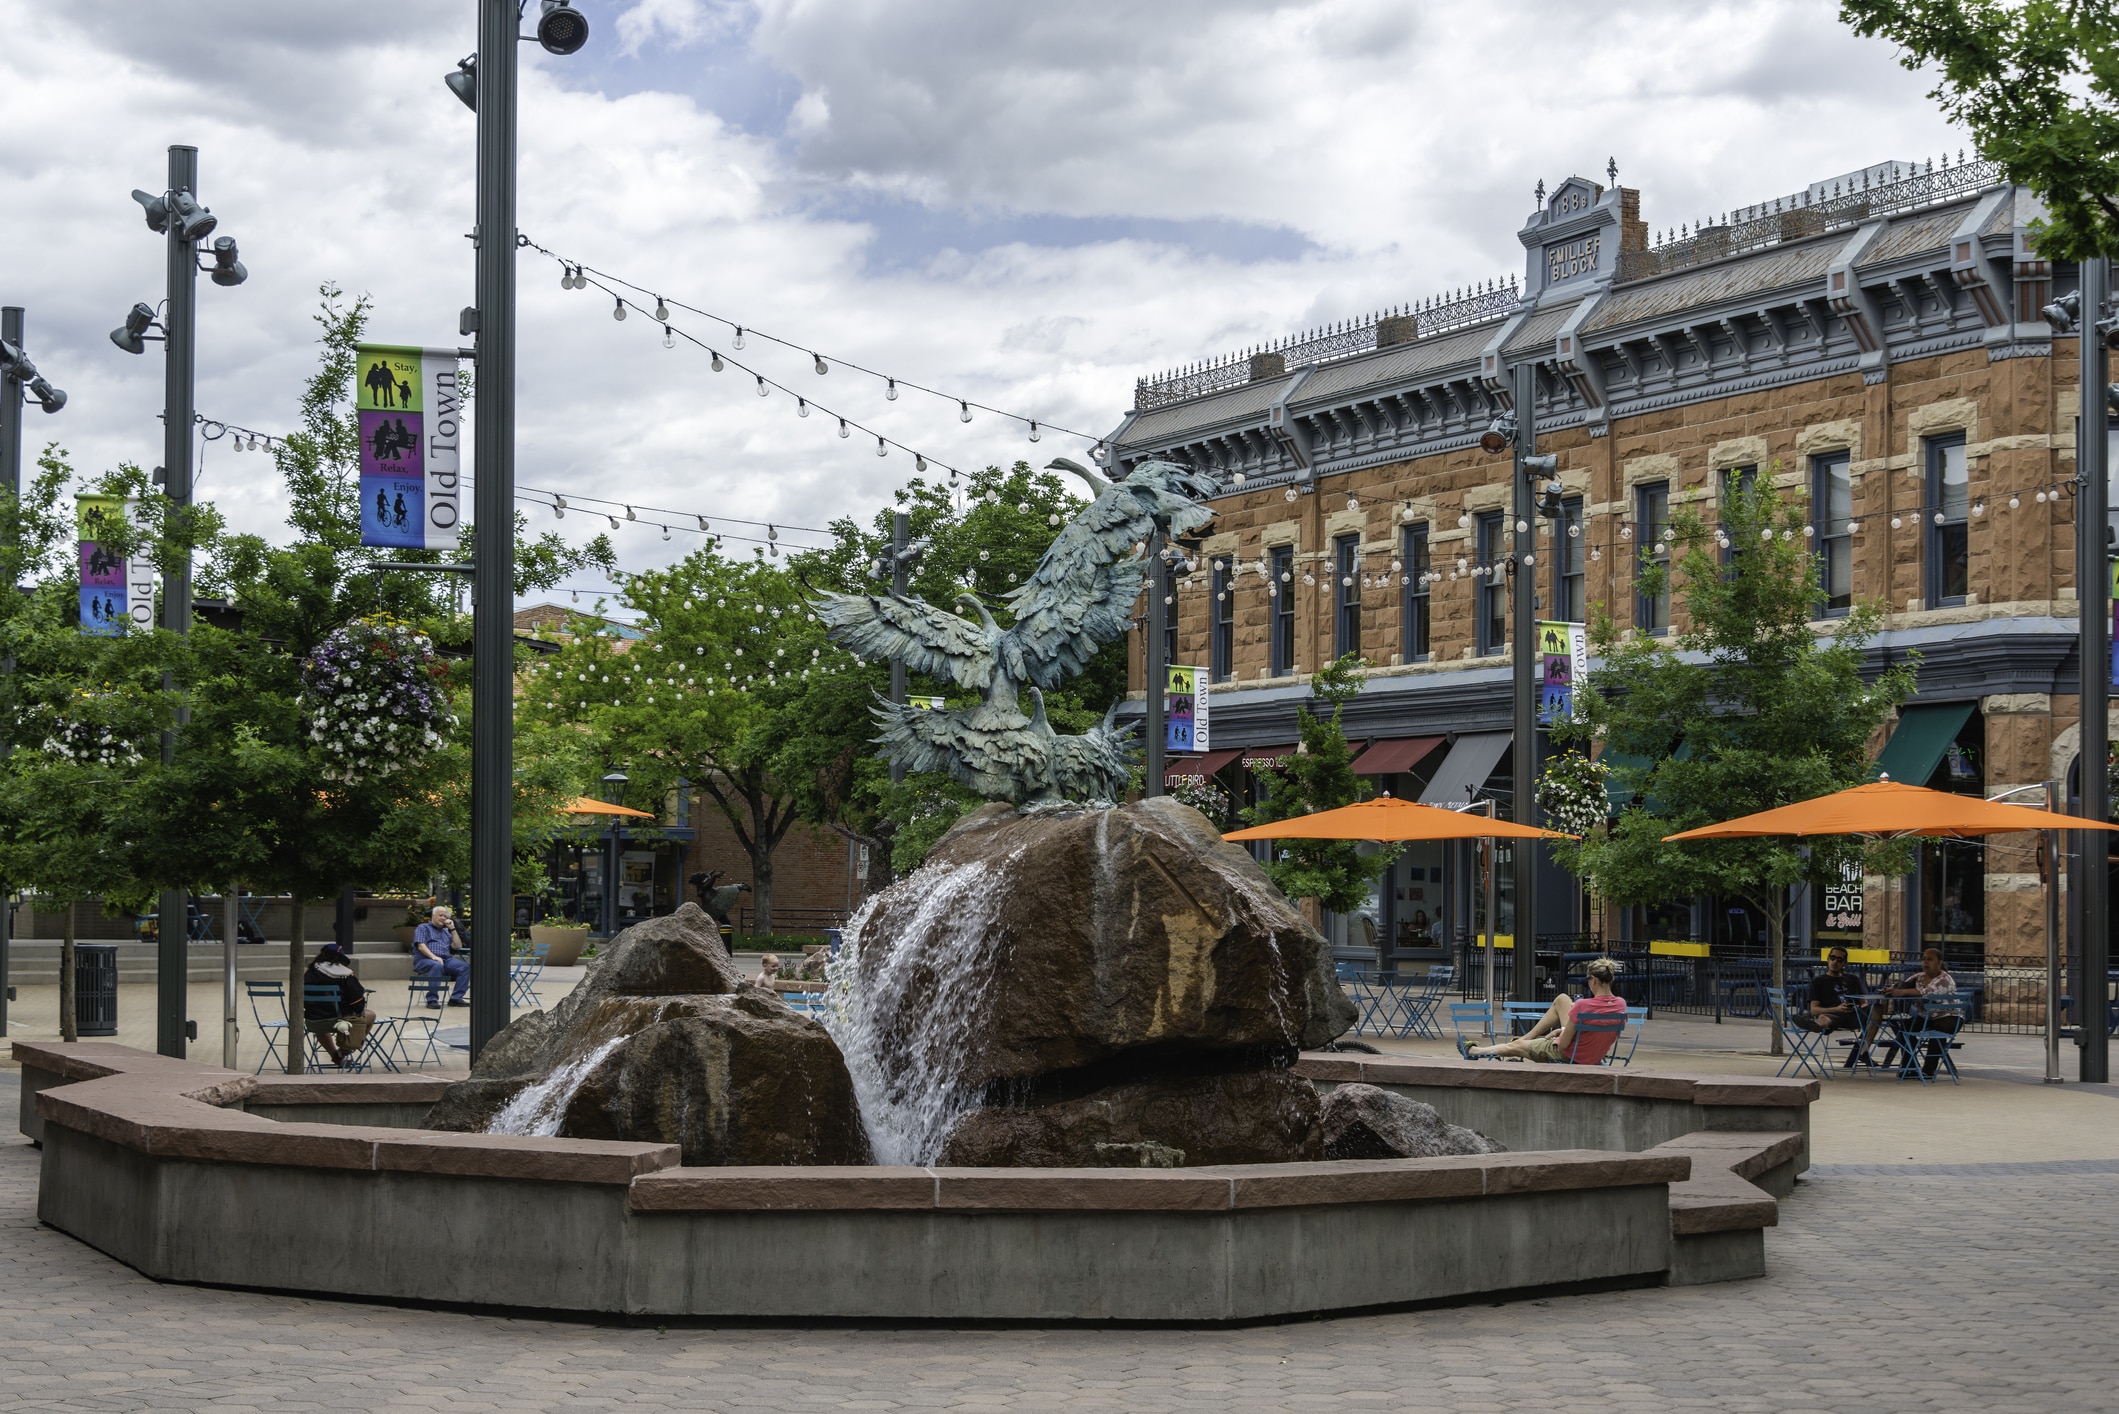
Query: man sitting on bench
{"points": [[1553, 1040]]}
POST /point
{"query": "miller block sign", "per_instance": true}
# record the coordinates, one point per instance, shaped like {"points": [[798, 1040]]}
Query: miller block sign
{"points": [[114, 590], [1563, 661], [410, 407], [1185, 710]]}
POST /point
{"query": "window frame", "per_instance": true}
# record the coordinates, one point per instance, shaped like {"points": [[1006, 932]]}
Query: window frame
{"points": [[1570, 564], [1346, 597], [1221, 638], [1417, 623], [1824, 537], [1934, 537], [1734, 479], [1647, 608], [1281, 601], [1488, 589]]}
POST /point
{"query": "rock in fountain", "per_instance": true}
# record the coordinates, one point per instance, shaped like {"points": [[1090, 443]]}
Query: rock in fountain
{"points": [[1083, 987], [1368, 1122], [664, 1040]]}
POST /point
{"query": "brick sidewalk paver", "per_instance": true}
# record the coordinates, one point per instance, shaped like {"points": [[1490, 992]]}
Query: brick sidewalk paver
{"points": [[2001, 1299]]}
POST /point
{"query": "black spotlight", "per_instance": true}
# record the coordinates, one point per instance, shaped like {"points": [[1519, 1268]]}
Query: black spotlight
{"points": [[133, 336], [49, 398], [157, 210], [562, 29], [464, 82], [194, 222], [1500, 434], [227, 270]]}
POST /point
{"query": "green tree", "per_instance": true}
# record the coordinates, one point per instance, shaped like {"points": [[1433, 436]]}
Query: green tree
{"points": [[1745, 709], [1319, 775], [2036, 82]]}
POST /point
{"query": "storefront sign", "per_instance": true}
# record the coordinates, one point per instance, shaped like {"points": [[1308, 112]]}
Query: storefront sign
{"points": [[1563, 660], [411, 423], [114, 591], [1185, 710], [1843, 900]]}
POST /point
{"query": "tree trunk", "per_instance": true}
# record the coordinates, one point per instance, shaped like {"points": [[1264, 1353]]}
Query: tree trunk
{"points": [[761, 889], [68, 1029], [297, 1032], [880, 874]]}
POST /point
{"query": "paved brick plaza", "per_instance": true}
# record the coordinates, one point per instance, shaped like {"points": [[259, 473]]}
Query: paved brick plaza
{"points": [[2016, 1296]]}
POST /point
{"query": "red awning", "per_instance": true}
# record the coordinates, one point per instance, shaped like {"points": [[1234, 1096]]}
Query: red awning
{"points": [[1205, 765], [1389, 755]]}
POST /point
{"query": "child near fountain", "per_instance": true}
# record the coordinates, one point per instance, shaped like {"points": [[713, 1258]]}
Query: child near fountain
{"points": [[768, 968]]}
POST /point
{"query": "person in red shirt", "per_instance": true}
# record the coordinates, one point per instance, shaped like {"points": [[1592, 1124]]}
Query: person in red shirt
{"points": [[1553, 1040]]}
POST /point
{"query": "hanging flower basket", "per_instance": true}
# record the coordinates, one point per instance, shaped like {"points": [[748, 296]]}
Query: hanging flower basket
{"points": [[375, 699], [1572, 794], [81, 731]]}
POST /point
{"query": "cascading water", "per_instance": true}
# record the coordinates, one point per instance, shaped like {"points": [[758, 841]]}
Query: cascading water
{"points": [[539, 1108], [907, 1062]]}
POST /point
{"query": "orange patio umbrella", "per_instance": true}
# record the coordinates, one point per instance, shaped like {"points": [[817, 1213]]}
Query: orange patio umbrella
{"points": [[1389, 820], [582, 805], [1888, 810]]}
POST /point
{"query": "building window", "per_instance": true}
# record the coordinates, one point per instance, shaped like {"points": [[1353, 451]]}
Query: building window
{"points": [[1949, 501], [1832, 516], [1221, 665], [1569, 561], [1280, 590], [1736, 480], [1346, 582], [1416, 604], [1651, 514], [1490, 588]]}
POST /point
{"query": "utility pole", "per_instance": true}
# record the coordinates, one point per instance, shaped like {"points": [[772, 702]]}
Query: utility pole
{"points": [[16, 372], [493, 571], [900, 537], [1523, 643], [179, 369], [1158, 667], [2093, 594]]}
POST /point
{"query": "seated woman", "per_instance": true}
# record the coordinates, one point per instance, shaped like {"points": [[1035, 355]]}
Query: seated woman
{"points": [[1553, 1040], [340, 1026]]}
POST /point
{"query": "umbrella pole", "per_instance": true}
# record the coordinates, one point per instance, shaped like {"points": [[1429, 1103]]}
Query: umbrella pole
{"points": [[1491, 941], [2052, 939]]}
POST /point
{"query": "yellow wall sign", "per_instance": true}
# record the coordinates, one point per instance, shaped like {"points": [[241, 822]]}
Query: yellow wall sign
{"points": [[1675, 949]]}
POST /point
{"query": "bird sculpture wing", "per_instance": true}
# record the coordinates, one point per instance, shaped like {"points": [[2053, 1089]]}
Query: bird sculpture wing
{"points": [[931, 641], [988, 749], [1081, 594], [1096, 765]]}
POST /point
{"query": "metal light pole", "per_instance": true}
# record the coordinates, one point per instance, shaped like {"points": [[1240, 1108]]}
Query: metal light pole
{"points": [[1523, 636], [493, 573], [2093, 594], [1158, 667], [16, 371], [179, 369], [900, 537]]}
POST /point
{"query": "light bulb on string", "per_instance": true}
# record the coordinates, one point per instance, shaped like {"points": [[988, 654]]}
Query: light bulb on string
{"points": [[1238, 478], [629, 514], [1625, 532], [1033, 430], [963, 412], [1979, 508], [890, 389], [822, 366], [2015, 503], [919, 462], [662, 311], [618, 307], [763, 391], [737, 342], [842, 427], [1897, 523], [669, 337], [1288, 495], [613, 520], [1464, 522], [1352, 504], [665, 532], [702, 527], [882, 447], [716, 365], [801, 407], [1939, 518]]}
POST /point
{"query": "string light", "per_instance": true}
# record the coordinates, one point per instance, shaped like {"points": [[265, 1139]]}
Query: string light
{"points": [[618, 308]]}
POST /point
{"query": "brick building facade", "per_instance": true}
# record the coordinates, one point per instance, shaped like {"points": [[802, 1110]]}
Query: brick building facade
{"points": [[1873, 343]]}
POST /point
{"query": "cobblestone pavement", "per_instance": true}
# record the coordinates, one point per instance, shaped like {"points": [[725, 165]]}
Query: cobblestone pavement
{"points": [[2002, 1299]]}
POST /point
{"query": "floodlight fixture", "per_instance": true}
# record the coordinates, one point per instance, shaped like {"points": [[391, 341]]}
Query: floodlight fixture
{"points": [[1500, 434], [194, 222], [562, 29], [2063, 312], [227, 270], [464, 82], [49, 398], [157, 210], [132, 335]]}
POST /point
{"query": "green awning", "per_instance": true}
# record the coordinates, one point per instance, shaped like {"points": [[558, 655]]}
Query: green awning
{"points": [[1924, 734], [1620, 796]]}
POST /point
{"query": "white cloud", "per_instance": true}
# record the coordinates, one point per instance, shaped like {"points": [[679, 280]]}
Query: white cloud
{"points": [[1029, 206]]}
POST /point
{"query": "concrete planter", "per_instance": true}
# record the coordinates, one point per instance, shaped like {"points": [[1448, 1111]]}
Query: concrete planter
{"points": [[566, 943], [404, 934]]}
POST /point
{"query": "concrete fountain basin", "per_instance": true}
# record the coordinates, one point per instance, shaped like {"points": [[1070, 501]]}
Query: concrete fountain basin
{"points": [[325, 1185]]}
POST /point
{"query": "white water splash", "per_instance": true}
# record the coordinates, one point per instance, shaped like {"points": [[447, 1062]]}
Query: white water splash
{"points": [[904, 1021], [538, 1108]]}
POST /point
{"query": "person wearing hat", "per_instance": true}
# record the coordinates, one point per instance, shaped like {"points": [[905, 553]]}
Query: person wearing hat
{"points": [[340, 1025]]}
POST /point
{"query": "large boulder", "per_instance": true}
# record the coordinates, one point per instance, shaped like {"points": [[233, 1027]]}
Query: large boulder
{"points": [[1237, 1117], [1052, 941], [1365, 1122], [665, 1041]]}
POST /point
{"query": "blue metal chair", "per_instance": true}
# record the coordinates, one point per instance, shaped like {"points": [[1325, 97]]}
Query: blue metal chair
{"points": [[274, 1032], [1806, 1049], [1630, 1039], [1417, 1007], [1587, 1026], [523, 975], [1476, 1016], [418, 1027], [1927, 1034]]}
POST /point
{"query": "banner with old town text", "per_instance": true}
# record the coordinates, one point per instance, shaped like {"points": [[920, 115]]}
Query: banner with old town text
{"points": [[410, 406]]}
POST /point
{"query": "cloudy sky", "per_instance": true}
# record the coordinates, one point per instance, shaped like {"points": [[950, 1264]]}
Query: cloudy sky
{"points": [[1025, 205]]}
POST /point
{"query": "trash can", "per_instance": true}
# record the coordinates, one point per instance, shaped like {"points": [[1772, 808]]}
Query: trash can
{"points": [[95, 989]]}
